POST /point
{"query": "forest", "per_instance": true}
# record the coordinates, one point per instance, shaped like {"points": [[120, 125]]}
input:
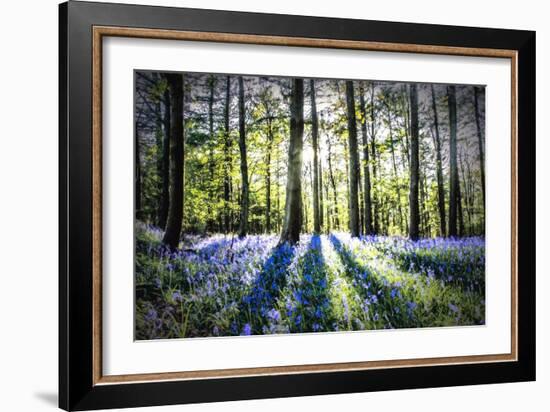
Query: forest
{"points": [[288, 205]]}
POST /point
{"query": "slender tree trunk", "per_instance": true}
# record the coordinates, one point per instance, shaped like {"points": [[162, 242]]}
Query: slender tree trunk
{"points": [[466, 193], [333, 184], [439, 169], [480, 141], [293, 206], [268, 177], [211, 195], [243, 222], [328, 210], [227, 160], [395, 174], [375, 216], [278, 177], [159, 137], [414, 217], [366, 162], [139, 214], [164, 199], [321, 197], [177, 156], [453, 174], [353, 161], [314, 142]]}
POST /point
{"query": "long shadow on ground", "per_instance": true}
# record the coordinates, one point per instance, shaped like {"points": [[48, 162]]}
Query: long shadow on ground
{"points": [[267, 288], [310, 310]]}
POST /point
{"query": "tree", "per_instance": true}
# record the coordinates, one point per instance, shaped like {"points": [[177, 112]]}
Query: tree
{"points": [[293, 206], [315, 144], [479, 141], [165, 194], [227, 159], [243, 223], [391, 137], [366, 172], [175, 210], [414, 172], [375, 206], [439, 169], [453, 173], [211, 81], [353, 161]]}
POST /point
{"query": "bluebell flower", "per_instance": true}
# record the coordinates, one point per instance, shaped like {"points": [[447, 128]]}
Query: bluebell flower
{"points": [[247, 330], [177, 297]]}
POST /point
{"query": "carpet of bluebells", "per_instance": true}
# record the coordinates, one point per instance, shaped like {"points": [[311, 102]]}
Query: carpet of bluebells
{"points": [[225, 286]]}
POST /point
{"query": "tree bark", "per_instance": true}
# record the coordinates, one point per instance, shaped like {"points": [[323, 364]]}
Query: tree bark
{"points": [[353, 161], [414, 211], [366, 171], [268, 176], [139, 214], [333, 184], [395, 174], [315, 144], [211, 189], [243, 223], [453, 174], [375, 217], [177, 153], [293, 206], [227, 159], [439, 169], [480, 142], [165, 194]]}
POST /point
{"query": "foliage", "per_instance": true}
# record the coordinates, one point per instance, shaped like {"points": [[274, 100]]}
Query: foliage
{"points": [[224, 286]]}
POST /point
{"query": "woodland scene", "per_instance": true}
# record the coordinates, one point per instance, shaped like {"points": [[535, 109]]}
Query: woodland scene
{"points": [[268, 205]]}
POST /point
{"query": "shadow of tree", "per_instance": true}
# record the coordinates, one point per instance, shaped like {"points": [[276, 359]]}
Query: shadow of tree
{"points": [[377, 294], [312, 311], [266, 289]]}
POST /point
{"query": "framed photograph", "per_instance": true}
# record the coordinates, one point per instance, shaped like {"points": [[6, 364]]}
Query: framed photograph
{"points": [[257, 205]]}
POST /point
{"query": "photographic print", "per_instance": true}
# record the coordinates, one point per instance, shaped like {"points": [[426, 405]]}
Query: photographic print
{"points": [[275, 205]]}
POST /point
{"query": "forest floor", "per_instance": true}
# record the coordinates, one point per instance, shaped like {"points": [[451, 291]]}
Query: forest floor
{"points": [[225, 286]]}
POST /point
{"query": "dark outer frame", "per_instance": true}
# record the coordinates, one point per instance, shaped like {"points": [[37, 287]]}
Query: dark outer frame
{"points": [[77, 389]]}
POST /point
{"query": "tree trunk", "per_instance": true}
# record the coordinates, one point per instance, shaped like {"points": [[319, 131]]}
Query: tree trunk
{"points": [[366, 172], [353, 161], [268, 176], [314, 142], [395, 174], [165, 194], [293, 206], [375, 217], [211, 189], [321, 197], [414, 217], [480, 142], [439, 169], [243, 223], [227, 160], [139, 214], [453, 174], [177, 153], [333, 184]]}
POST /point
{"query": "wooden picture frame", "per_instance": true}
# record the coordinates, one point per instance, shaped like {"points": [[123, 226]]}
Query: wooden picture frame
{"points": [[83, 26]]}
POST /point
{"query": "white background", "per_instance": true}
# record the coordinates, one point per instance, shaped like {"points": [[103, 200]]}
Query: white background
{"points": [[28, 206], [121, 355]]}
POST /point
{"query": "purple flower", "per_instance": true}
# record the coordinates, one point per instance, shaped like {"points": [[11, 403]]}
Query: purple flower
{"points": [[454, 308], [247, 330], [151, 314], [274, 315], [176, 296]]}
